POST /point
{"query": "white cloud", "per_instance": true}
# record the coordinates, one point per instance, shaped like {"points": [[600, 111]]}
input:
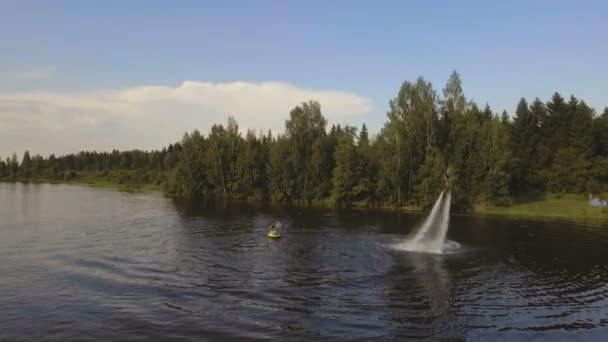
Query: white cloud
{"points": [[149, 117]]}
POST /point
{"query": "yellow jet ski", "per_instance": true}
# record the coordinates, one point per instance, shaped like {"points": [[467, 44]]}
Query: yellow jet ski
{"points": [[273, 234]]}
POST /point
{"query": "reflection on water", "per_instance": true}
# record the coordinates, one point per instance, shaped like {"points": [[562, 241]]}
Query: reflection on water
{"points": [[434, 279], [421, 298], [90, 264]]}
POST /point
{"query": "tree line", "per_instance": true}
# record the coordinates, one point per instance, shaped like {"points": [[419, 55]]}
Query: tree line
{"points": [[554, 146]]}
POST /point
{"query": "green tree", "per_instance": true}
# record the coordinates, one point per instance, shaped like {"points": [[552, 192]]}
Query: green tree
{"points": [[600, 175], [561, 146], [600, 135], [454, 105], [37, 166], [581, 129], [3, 170], [431, 176], [498, 178], [411, 131], [220, 158], [504, 117], [363, 137], [570, 172], [249, 169], [367, 167], [305, 133], [487, 113], [453, 140], [282, 174], [234, 143], [455, 101], [347, 173], [25, 170], [13, 167], [189, 178], [526, 137], [53, 167], [466, 161], [556, 126], [388, 156]]}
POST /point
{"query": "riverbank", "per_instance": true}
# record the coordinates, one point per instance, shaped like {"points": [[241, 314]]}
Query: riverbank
{"points": [[102, 183], [94, 183], [549, 206]]}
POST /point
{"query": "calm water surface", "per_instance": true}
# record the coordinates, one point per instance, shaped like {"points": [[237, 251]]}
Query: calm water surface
{"points": [[97, 265]]}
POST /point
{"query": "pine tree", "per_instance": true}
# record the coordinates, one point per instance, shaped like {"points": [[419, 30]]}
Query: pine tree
{"points": [[189, 178], [363, 137], [557, 124], [466, 161], [570, 172], [3, 172], [218, 159], [487, 113], [504, 117], [390, 163], [37, 165], [539, 156], [25, 171], [249, 171], [498, 178], [581, 129], [13, 166], [600, 135], [282, 174], [525, 139], [345, 176]]}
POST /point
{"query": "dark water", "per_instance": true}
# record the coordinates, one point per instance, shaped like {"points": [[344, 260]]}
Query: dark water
{"points": [[100, 265]]}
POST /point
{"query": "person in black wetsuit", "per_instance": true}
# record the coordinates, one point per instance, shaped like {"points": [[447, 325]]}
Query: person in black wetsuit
{"points": [[273, 227]]}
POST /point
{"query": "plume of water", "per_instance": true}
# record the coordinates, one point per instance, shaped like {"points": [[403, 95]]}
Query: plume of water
{"points": [[428, 223], [431, 235], [436, 244]]}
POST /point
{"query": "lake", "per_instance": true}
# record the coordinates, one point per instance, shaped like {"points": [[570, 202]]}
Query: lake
{"points": [[85, 264]]}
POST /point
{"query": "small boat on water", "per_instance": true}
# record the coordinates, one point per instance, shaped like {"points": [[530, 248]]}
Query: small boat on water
{"points": [[273, 234], [273, 231]]}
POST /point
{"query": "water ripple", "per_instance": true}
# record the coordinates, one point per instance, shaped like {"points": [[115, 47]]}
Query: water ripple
{"points": [[141, 267]]}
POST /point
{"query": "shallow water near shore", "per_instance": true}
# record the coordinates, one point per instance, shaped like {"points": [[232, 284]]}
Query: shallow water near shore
{"points": [[92, 264]]}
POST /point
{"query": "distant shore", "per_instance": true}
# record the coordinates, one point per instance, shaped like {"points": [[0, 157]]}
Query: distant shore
{"points": [[94, 183], [552, 206], [548, 206]]}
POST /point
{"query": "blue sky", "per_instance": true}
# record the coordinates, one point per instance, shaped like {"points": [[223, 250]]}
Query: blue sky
{"points": [[503, 51]]}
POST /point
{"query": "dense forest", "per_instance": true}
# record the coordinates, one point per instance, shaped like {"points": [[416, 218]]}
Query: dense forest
{"points": [[559, 146]]}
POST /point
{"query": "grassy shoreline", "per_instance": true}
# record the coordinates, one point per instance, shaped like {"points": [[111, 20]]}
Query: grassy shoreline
{"points": [[94, 183], [548, 206], [107, 184]]}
